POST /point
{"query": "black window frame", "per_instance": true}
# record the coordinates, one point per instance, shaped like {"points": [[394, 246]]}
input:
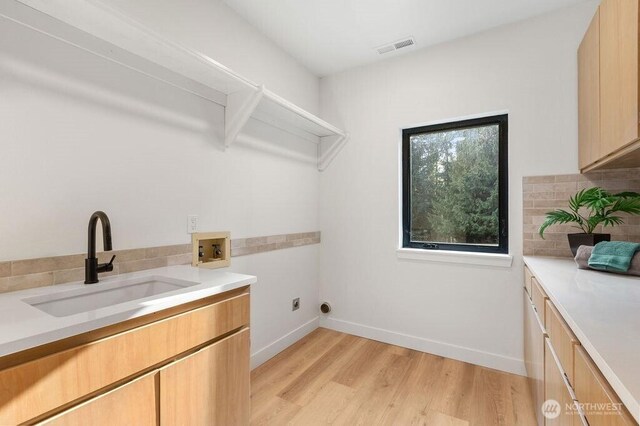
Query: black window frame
{"points": [[502, 121]]}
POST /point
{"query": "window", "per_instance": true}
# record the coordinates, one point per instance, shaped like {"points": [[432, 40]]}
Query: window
{"points": [[455, 186]]}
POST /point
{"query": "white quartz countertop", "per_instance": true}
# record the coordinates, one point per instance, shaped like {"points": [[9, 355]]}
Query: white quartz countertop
{"points": [[603, 311], [23, 326]]}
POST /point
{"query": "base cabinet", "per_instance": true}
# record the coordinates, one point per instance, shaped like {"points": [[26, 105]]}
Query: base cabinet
{"points": [[210, 387], [534, 356], [134, 400], [602, 406], [556, 388], [185, 366], [560, 370]]}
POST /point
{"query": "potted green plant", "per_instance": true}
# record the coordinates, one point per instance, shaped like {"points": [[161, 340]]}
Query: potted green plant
{"points": [[589, 208]]}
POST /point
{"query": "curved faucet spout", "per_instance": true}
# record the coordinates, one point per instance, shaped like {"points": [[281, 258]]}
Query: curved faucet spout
{"points": [[106, 232], [91, 266]]}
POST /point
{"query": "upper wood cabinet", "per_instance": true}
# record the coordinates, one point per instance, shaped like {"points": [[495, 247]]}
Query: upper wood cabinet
{"points": [[589, 94], [608, 111], [619, 73]]}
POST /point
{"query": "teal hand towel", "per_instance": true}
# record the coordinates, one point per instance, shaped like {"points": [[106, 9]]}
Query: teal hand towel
{"points": [[614, 256]]}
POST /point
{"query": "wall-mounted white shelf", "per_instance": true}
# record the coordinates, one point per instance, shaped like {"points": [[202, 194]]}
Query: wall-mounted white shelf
{"points": [[103, 31], [270, 108]]}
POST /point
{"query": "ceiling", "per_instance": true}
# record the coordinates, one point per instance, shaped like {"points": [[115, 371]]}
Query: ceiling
{"points": [[328, 36]]}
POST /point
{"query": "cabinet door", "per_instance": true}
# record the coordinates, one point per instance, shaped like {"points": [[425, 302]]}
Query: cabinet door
{"points": [[527, 280], [132, 403], [534, 356], [557, 389], [539, 298], [593, 390], [562, 339], [209, 387], [36, 387], [618, 73], [589, 95]]}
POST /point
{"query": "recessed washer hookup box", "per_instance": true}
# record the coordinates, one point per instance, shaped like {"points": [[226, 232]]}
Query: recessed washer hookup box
{"points": [[211, 249]]}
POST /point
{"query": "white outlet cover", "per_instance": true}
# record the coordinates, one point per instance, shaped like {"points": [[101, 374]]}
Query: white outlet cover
{"points": [[192, 223]]}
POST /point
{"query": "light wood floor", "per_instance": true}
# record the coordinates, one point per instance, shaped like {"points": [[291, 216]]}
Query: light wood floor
{"points": [[335, 378]]}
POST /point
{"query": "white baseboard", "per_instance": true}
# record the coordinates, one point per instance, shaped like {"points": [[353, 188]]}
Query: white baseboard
{"points": [[472, 356], [272, 349]]}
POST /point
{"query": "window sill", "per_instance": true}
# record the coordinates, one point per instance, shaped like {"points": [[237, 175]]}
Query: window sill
{"points": [[460, 257]]}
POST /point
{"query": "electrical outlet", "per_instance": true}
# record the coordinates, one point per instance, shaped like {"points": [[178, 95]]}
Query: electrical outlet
{"points": [[192, 224], [295, 304]]}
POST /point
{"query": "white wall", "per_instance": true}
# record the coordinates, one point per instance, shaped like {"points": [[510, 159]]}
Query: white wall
{"points": [[213, 28], [79, 134], [471, 313]]}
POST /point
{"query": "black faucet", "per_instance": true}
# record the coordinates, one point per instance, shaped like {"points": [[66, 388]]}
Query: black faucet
{"points": [[91, 266]]}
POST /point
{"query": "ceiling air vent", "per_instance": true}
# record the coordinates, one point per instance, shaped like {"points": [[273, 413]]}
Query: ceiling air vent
{"points": [[396, 45], [403, 43], [386, 49]]}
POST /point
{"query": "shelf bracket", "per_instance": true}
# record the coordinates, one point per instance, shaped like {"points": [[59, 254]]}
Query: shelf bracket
{"points": [[326, 154], [240, 107]]}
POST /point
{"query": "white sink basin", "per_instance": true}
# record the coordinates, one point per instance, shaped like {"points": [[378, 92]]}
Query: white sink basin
{"points": [[102, 295]]}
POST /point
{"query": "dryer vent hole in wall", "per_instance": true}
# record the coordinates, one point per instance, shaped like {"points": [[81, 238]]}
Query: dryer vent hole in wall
{"points": [[325, 307], [295, 304]]}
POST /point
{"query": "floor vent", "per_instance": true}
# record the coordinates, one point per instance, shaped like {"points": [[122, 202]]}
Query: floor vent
{"points": [[395, 45]]}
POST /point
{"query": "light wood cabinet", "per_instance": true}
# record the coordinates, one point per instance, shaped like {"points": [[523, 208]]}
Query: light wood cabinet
{"points": [[210, 387], [562, 339], [557, 388], [602, 406], [199, 350], [534, 356], [135, 400], [608, 73], [568, 376], [539, 298], [589, 94], [527, 281], [619, 73]]}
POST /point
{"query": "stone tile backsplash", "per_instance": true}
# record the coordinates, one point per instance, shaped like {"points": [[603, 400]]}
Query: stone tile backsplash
{"points": [[29, 273], [243, 247], [545, 193]]}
